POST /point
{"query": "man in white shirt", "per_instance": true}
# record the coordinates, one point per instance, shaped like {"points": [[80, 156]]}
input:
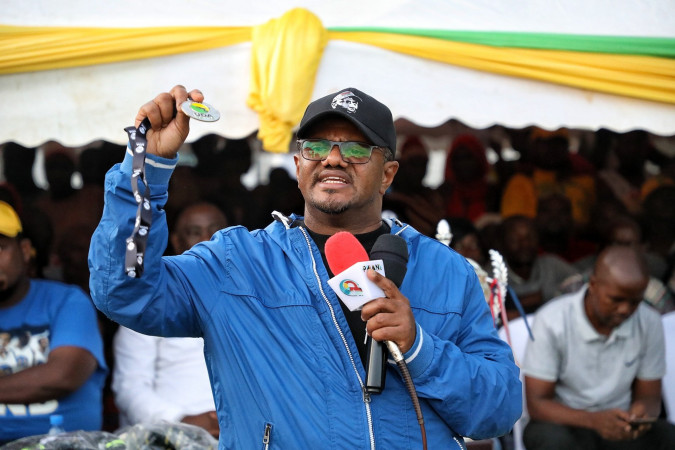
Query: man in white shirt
{"points": [[593, 372], [158, 378]]}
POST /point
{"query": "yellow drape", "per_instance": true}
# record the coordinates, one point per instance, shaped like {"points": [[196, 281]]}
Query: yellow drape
{"points": [[287, 51], [25, 49], [643, 77], [29, 49], [285, 58]]}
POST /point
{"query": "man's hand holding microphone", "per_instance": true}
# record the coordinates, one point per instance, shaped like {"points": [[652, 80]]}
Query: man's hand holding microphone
{"points": [[389, 318]]}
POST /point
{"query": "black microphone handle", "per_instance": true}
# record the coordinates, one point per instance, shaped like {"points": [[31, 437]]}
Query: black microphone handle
{"points": [[393, 252], [376, 366]]}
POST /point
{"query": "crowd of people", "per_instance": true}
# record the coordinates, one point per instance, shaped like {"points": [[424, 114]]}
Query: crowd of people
{"points": [[557, 217], [551, 211]]}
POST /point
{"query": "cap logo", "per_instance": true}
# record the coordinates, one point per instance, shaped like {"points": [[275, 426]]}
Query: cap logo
{"points": [[346, 100]]}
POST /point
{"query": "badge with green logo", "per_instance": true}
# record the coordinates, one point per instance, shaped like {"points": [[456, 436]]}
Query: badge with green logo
{"points": [[200, 111]]}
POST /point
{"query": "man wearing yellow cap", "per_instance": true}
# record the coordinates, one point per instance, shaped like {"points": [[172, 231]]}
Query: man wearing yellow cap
{"points": [[52, 352]]}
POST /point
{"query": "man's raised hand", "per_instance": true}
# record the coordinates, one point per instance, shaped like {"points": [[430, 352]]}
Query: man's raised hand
{"points": [[169, 126]]}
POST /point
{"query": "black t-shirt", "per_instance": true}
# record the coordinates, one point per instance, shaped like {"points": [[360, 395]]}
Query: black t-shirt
{"points": [[356, 325]]}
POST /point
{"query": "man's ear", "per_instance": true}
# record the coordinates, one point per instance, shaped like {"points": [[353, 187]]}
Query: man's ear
{"points": [[27, 249], [388, 174], [296, 159]]}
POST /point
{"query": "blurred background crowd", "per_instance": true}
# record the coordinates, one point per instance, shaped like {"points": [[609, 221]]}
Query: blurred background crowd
{"points": [[548, 201]]}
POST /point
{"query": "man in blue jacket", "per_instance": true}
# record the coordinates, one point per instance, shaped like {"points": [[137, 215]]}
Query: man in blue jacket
{"points": [[285, 357]]}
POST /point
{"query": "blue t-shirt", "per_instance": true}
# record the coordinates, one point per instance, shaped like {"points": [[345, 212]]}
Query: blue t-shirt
{"points": [[51, 315]]}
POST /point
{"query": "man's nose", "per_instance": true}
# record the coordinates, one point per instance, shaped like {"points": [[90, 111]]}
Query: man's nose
{"points": [[334, 158]]}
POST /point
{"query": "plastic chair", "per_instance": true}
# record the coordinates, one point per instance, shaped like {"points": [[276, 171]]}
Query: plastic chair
{"points": [[519, 339], [668, 382]]}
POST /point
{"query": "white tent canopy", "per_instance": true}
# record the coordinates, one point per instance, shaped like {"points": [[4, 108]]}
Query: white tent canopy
{"points": [[79, 105]]}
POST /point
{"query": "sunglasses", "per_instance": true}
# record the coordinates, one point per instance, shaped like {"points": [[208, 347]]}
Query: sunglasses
{"points": [[351, 152]]}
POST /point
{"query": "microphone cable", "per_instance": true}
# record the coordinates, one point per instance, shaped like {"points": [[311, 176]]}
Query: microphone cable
{"points": [[405, 373]]}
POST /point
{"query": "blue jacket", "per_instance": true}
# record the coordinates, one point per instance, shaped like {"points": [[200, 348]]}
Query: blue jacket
{"points": [[283, 363]]}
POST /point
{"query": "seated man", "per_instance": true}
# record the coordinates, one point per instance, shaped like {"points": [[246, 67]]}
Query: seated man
{"points": [[52, 352], [535, 277], [593, 372], [158, 378]]}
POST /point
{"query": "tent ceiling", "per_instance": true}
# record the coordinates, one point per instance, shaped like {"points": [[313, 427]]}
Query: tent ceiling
{"points": [[78, 105]]}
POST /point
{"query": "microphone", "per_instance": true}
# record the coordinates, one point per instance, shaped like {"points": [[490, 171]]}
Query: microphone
{"points": [[343, 250], [348, 261], [393, 251]]}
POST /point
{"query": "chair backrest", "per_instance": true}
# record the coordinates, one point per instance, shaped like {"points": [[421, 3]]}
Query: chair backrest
{"points": [[519, 336], [668, 381], [519, 339]]}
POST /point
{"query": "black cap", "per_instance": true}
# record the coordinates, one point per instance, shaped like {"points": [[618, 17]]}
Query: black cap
{"points": [[370, 116]]}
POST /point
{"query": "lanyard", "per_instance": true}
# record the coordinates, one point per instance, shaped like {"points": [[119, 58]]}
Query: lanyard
{"points": [[136, 243]]}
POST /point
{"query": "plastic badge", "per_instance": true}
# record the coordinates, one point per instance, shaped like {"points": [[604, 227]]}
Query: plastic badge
{"points": [[200, 111]]}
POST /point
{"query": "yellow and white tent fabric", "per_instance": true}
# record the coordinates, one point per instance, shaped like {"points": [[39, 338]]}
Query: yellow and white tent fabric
{"points": [[76, 71]]}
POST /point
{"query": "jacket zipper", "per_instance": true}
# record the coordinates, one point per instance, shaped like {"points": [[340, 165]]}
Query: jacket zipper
{"points": [[267, 435], [366, 395]]}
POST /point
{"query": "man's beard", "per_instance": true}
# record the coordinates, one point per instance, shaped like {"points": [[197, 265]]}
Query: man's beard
{"points": [[330, 206], [327, 208]]}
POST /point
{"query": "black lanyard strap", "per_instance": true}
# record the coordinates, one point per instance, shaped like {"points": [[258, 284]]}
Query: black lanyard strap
{"points": [[136, 243]]}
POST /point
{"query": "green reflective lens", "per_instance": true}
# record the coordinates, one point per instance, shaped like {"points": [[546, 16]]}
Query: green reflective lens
{"points": [[350, 151], [355, 151], [316, 150]]}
